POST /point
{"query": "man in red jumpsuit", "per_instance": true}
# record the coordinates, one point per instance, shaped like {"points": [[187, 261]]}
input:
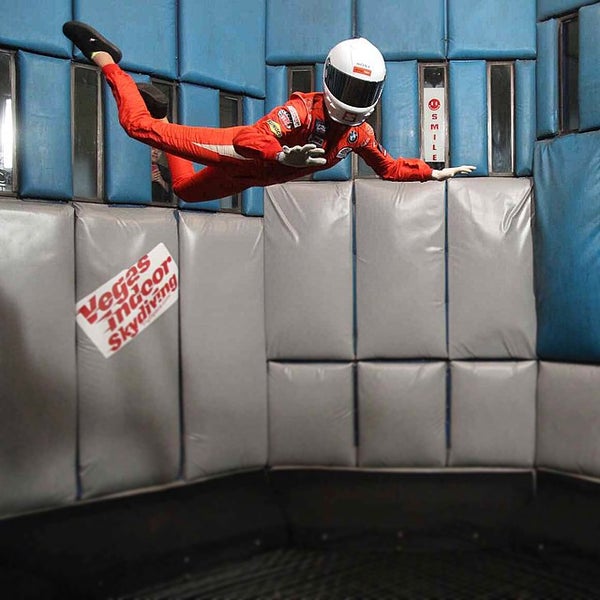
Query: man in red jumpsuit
{"points": [[310, 132]]}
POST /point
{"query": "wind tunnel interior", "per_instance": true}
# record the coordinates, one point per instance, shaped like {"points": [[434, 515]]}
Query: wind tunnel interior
{"points": [[356, 388]]}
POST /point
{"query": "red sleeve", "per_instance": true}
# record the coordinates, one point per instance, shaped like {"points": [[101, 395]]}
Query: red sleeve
{"points": [[399, 169], [264, 139]]}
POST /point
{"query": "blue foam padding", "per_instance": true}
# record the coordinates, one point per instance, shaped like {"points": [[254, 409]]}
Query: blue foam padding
{"points": [[222, 44], [252, 198], [567, 247], [303, 31], [589, 71], [524, 116], [551, 8], [126, 161], [146, 32], [404, 29], [400, 122], [547, 78], [491, 29], [277, 87], [199, 106], [36, 26], [468, 114], [44, 127]]}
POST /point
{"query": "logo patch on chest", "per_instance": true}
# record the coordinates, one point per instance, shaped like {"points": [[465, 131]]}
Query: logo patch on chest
{"points": [[344, 152], [352, 136]]}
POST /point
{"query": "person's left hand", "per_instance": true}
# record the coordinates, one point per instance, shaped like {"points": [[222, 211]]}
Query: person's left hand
{"points": [[450, 172], [302, 156]]}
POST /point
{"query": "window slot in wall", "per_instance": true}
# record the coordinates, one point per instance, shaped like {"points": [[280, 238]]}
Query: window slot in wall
{"points": [[8, 178], [301, 78], [500, 94], [568, 31], [231, 115], [434, 114]]}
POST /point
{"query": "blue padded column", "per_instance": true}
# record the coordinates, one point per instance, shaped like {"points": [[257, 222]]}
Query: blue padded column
{"points": [[277, 87], [199, 106], [38, 423], [400, 125], [491, 29], [404, 29], [589, 71], [552, 8], [567, 248], [222, 44], [524, 116], [253, 198], [468, 115], [547, 78], [126, 161], [303, 31], [44, 127], [149, 44], [36, 26]]}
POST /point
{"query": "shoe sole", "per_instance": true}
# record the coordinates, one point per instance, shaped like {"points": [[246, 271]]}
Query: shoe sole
{"points": [[156, 102], [88, 40]]}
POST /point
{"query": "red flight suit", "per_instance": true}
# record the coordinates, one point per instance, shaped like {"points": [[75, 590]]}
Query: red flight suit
{"points": [[237, 158]]}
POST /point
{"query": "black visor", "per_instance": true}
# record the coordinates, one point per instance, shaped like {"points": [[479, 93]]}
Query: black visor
{"points": [[350, 90]]}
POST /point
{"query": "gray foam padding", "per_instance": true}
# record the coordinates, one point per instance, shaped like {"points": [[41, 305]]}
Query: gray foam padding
{"points": [[402, 414], [490, 269], [37, 362], [224, 372], [129, 403], [308, 271], [311, 414], [400, 269], [492, 409], [568, 418]]}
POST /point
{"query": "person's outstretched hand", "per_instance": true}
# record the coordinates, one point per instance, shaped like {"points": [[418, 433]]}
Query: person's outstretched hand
{"points": [[450, 172], [302, 156]]}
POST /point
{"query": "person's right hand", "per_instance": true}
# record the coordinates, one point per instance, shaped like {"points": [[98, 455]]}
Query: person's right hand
{"points": [[302, 156]]}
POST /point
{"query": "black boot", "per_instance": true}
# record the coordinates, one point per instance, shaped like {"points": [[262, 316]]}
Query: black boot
{"points": [[88, 40]]}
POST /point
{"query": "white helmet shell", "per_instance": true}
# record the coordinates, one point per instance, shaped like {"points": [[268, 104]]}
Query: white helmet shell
{"points": [[353, 80]]}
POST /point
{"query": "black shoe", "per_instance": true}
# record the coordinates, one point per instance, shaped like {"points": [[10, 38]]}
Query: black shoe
{"points": [[156, 102], [88, 40]]}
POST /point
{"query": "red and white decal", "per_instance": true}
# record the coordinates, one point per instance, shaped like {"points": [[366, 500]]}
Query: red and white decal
{"points": [[295, 116], [120, 309]]}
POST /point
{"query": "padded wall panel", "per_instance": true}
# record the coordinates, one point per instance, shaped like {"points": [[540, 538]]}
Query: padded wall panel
{"points": [[199, 106], [224, 373], [492, 414], [44, 127], [567, 248], [400, 269], [589, 74], [129, 414], [277, 87], [308, 271], [490, 268], [303, 31], [149, 44], [127, 164], [311, 414], [568, 416], [403, 29], [468, 115], [222, 44], [547, 78], [253, 198], [400, 119], [402, 414], [491, 29], [550, 8], [525, 129], [36, 26], [37, 356]]}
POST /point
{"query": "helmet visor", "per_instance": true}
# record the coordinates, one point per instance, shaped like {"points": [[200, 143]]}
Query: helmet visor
{"points": [[350, 90]]}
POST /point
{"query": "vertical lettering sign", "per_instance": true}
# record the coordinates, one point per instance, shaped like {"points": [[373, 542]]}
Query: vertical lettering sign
{"points": [[434, 125], [120, 309]]}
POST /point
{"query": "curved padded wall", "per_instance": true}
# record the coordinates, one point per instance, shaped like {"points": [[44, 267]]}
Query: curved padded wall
{"points": [[567, 247], [525, 117], [129, 413], [210, 33], [551, 8], [589, 74], [547, 78], [44, 127], [38, 421], [403, 29], [303, 31]]}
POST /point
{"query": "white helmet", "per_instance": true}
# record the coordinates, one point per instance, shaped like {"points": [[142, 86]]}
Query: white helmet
{"points": [[353, 79]]}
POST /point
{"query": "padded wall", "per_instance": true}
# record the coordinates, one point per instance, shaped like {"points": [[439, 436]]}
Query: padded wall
{"points": [[44, 127], [567, 247], [253, 198], [223, 360], [400, 269], [303, 31], [129, 414], [550, 8], [490, 269], [589, 74], [525, 117], [547, 78], [308, 271], [211, 33], [38, 422]]}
